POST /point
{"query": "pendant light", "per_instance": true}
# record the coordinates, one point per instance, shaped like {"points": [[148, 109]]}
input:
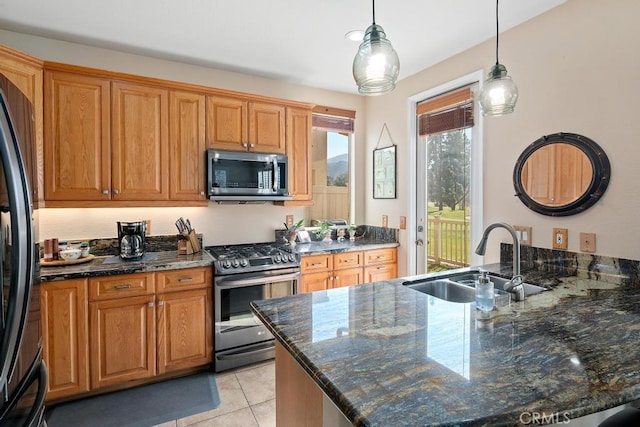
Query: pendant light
{"points": [[376, 65], [499, 93]]}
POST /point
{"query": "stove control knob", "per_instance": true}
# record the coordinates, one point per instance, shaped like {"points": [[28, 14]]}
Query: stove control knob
{"points": [[226, 264], [292, 258], [277, 258], [244, 262], [235, 263]]}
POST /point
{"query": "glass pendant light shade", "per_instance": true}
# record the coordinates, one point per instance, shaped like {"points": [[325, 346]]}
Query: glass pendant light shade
{"points": [[499, 93], [376, 65]]}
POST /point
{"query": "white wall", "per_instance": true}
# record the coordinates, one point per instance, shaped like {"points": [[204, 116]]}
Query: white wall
{"points": [[577, 70], [220, 224]]}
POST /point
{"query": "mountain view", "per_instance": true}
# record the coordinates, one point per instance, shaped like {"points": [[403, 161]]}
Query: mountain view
{"points": [[338, 170]]}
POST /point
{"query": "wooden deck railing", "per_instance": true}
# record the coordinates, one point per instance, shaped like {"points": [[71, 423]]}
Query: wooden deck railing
{"points": [[448, 242]]}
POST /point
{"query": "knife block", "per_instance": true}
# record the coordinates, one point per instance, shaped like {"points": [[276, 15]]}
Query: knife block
{"points": [[188, 243]]}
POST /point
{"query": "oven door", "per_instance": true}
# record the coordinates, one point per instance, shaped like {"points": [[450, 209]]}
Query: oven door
{"points": [[235, 323]]}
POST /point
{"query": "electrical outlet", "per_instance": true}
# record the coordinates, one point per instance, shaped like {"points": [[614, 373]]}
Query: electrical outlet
{"points": [[560, 238], [524, 234], [147, 230], [403, 223], [588, 242], [289, 221], [385, 221]]}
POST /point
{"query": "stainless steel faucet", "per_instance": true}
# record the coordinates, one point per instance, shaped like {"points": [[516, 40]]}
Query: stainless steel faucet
{"points": [[515, 285]]}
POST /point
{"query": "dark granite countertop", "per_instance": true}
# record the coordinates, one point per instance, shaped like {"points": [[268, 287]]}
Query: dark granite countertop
{"points": [[335, 246], [111, 265], [388, 355]]}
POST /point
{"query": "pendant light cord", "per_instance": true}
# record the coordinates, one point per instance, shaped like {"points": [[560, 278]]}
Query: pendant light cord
{"points": [[373, 3], [497, 32]]}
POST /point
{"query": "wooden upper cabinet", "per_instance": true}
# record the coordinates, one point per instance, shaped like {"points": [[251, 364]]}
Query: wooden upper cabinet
{"points": [[299, 153], [266, 128], [227, 124], [187, 137], [238, 124], [77, 154], [139, 142], [25, 72]]}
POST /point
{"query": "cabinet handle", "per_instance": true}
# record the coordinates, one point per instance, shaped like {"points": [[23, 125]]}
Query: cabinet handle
{"points": [[105, 192], [116, 192], [150, 304], [384, 267], [160, 303], [380, 257], [337, 277], [252, 145], [185, 279], [317, 264], [125, 286], [202, 193], [245, 145]]}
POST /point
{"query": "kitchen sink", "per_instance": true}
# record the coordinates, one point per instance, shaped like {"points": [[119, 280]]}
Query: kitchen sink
{"points": [[469, 278], [460, 287]]}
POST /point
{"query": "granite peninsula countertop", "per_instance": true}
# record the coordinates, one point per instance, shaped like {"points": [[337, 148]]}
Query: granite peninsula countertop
{"points": [[111, 265], [387, 355]]}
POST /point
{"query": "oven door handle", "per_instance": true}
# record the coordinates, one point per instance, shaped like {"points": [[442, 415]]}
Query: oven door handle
{"points": [[234, 283]]}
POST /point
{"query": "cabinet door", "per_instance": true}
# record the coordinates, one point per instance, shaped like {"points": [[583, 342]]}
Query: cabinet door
{"points": [[316, 263], [139, 138], [348, 277], [123, 340], [379, 256], [299, 153], [227, 124], [25, 72], [185, 335], [376, 273], [184, 279], [266, 128], [347, 260], [77, 153], [187, 127], [316, 281], [64, 336]]}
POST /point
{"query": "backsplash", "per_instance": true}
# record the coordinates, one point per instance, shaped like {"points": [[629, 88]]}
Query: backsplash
{"points": [[109, 246], [619, 271]]}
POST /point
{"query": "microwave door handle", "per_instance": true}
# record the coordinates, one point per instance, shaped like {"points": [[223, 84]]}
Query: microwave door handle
{"points": [[275, 172], [234, 283]]}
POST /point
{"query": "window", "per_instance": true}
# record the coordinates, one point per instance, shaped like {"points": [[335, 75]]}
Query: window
{"points": [[445, 128], [330, 169]]}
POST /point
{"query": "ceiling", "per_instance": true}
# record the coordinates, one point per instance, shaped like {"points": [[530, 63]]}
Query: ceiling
{"points": [[296, 41]]}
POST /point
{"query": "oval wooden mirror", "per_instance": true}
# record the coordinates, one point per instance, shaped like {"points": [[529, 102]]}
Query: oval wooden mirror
{"points": [[561, 174]]}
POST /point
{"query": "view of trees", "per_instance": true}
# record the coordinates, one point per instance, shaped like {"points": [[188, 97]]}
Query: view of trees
{"points": [[448, 169]]}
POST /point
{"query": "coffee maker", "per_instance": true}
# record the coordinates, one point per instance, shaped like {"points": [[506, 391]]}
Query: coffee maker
{"points": [[131, 239]]}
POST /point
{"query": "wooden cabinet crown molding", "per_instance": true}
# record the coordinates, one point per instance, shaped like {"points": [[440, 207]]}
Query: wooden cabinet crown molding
{"points": [[170, 84]]}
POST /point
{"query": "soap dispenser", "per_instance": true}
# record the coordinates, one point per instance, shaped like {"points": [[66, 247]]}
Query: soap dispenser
{"points": [[484, 292]]}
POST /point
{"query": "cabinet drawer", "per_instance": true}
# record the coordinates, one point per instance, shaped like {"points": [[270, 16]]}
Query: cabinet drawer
{"points": [[313, 263], [379, 256], [188, 278], [347, 260], [121, 286]]}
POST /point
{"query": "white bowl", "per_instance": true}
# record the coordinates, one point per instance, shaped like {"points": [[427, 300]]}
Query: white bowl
{"points": [[70, 254]]}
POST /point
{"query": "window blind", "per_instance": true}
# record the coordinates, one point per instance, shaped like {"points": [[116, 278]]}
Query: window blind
{"points": [[447, 112], [333, 119]]}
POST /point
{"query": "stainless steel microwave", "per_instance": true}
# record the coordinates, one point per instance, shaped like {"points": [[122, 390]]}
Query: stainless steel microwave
{"points": [[246, 177]]}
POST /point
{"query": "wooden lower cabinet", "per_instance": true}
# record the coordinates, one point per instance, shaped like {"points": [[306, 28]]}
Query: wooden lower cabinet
{"points": [[326, 271], [185, 334], [107, 331], [64, 336], [123, 340]]}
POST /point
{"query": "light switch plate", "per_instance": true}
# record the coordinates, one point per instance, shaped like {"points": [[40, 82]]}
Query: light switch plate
{"points": [[560, 238], [524, 234], [385, 220], [403, 223], [289, 221], [588, 242]]}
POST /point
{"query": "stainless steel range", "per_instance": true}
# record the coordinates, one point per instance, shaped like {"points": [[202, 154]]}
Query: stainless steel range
{"points": [[244, 273]]}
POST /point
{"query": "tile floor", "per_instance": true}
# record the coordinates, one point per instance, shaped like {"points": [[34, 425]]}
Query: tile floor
{"points": [[247, 399]]}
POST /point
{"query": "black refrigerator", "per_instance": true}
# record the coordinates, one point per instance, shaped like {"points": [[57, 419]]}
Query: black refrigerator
{"points": [[23, 375]]}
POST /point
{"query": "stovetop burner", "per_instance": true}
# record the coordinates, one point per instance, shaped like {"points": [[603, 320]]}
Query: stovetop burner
{"points": [[232, 259]]}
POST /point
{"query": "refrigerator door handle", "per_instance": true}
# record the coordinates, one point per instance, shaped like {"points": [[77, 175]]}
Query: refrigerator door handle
{"points": [[22, 250]]}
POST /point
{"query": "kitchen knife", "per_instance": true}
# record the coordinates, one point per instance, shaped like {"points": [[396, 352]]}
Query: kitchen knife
{"points": [[179, 226], [188, 224]]}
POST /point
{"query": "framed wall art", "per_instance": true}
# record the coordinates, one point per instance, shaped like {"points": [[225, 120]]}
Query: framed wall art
{"points": [[384, 173]]}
